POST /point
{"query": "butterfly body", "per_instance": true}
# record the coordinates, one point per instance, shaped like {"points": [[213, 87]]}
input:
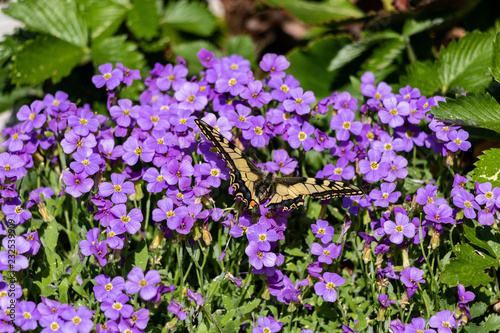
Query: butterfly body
{"points": [[255, 187]]}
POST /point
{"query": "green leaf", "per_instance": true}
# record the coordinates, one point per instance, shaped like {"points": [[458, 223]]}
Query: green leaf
{"points": [[251, 306], [104, 17], [318, 12], [229, 327], [192, 17], [188, 51], [380, 63], [412, 26], [117, 49], [57, 18], [351, 51], [463, 65], [487, 167], [43, 58], [492, 323], [480, 236], [468, 268], [243, 46], [141, 255], [63, 291], [477, 110], [143, 19], [495, 59], [422, 75], [477, 309], [296, 252], [308, 66]]}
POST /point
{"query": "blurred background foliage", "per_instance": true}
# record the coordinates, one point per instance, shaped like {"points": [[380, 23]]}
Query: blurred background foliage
{"points": [[440, 46]]}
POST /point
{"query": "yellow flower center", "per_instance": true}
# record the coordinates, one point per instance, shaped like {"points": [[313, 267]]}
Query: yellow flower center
{"points": [[125, 219], [126, 112], [385, 195], [299, 101], [55, 102], [77, 181], [232, 82], [171, 77], [338, 171], [160, 141], [374, 165], [108, 287], [393, 112], [262, 237], [489, 195], [85, 162], [234, 66], [54, 326], [170, 213], [214, 172], [7, 167], [287, 115], [117, 188], [430, 200], [346, 125], [107, 76], [138, 151], [302, 136], [32, 116], [190, 99], [458, 141], [370, 136], [321, 231], [242, 118], [76, 320], [378, 95], [79, 143], [143, 283], [446, 129], [258, 130], [467, 204], [399, 228], [437, 217], [160, 178], [117, 306], [388, 146], [18, 210], [326, 252], [155, 119], [330, 285], [15, 136], [178, 174], [83, 121], [27, 315], [183, 121]]}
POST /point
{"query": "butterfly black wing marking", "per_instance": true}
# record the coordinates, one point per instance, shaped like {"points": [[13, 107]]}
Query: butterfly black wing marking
{"points": [[244, 174], [289, 192]]}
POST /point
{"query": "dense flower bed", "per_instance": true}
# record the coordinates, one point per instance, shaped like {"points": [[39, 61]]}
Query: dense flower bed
{"points": [[141, 176]]}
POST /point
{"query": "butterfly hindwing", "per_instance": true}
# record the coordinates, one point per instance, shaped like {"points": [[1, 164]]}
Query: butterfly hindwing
{"points": [[289, 192], [244, 174]]}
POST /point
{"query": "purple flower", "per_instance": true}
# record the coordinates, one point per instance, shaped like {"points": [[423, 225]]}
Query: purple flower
{"points": [[381, 92], [326, 253], [114, 308], [179, 172], [457, 141], [13, 258], [107, 288], [144, 284], [118, 188], [206, 57], [438, 214], [372, 169], [51, 323], [427, 196], [166, 211], [109, 77], [31, 116], [299, 101], [254, 94], [344, 124], [354, 204], [77, 320], [267, 325], [383, 300], [13, 211], [410, 276], [385, 195], [232, 82], [401, 228], [182, 120], [444, 321], [327, 288], [323, 231], [16, 140], [177, 310], [92, 246], [138, 319], [301, 136], [83, 124], [339, 171], [134, 149], [189, 98], [418, 325], [282, 87], [485, 195], [27, 315], [256, 133], [388, 146], [274, 64], [464, 199], [121, 112], [131, 221], [59, 103], [129, 75], [11, 166], [85, 161], [345, 102], [262, 235], [283, 163], [397, 168], [156, 179], [151, 118], [172, 77], [393, 111], [72, 141], [214, 172], [464, 296], [240, 117], [259, 258], [77, 184]]}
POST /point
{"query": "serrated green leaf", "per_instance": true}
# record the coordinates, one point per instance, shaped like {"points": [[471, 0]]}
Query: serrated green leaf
{"points": [[192, 17], [141, 255], [473, 328], [143, 19], [104, 17], [477, 309], [383, 57], [468, 268], [422, 75], [463, 65], [58, 18], [492, 323], [318, 12], [487, 167], [249, 307], [188, 51], [117, 49], [477, 110], [44, 58], [308, 65], [412, 26], [229, 327], [243, 46], [480, 236], [495, 59], [353, 50]]}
